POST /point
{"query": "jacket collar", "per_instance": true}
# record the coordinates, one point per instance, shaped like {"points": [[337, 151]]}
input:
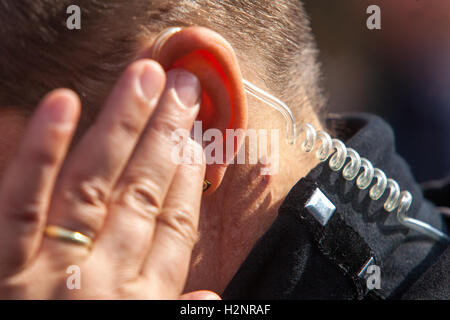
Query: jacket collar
{"points": [[360, 232]]}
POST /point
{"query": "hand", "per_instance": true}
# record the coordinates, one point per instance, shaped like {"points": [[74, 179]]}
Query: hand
{"points": [[117, 187]]}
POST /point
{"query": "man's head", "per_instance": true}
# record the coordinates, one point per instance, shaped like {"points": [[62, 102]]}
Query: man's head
{"points": [[272, 40], [266, 42]]}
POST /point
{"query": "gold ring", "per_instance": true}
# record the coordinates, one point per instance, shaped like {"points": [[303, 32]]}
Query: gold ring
{"points": [[60, 233]]}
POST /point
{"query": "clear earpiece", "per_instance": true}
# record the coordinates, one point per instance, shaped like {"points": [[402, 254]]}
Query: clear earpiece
{"points": [[276, 104], [161, 40]]}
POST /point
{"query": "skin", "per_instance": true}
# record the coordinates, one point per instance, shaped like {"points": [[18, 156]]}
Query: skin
{"points": [[143, 247], [241, 204], [145, 213]]}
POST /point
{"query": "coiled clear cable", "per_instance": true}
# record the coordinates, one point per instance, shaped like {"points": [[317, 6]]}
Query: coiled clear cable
{"points": [[400, 200]]}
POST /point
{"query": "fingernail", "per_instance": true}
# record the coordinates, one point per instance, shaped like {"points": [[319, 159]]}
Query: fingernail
{"points": [[61, 110], [188, 88], [150, 83]]}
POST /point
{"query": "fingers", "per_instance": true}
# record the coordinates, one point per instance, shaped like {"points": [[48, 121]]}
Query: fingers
{"points": [[200, 295], [167, 264], [79, 202], [141, 190], [28, 182]]}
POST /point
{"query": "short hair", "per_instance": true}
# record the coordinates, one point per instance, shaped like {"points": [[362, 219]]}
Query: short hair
{"points": [[39, 53]]}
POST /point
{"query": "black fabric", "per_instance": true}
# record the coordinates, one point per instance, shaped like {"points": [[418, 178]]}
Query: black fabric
{"points": [[298, 259], [434, 283], [438, 191], [337, 241]]}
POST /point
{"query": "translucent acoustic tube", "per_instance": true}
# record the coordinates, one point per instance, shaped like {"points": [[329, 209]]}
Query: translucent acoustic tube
{"points": [[339, 153], [161, 40], [276, 104]]}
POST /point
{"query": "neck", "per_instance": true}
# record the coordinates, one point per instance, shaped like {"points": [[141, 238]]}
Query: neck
{"points": [[238, 214]]}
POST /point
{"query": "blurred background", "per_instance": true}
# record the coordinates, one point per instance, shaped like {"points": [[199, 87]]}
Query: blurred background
{"points": [[401, 72]]}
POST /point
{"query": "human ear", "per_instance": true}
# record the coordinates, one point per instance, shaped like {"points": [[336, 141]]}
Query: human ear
{"points": [[212, 59]]}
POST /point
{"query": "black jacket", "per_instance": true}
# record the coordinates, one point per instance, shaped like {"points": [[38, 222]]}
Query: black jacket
{"points": [[298, 258]]}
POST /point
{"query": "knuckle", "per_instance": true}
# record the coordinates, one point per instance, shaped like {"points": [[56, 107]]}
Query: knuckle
{"points": [[85, 202], [90, 192], [28, 213], [140, 194], [180, 221], [130, 126]]}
